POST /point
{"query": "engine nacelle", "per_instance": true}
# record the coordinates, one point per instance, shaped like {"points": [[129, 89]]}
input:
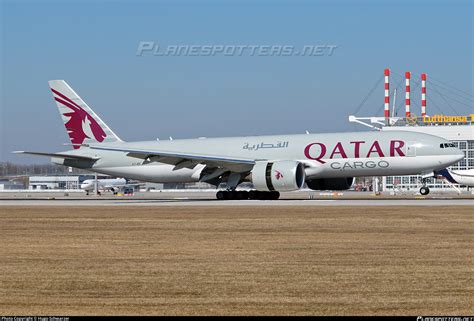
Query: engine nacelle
{"points": [[278, 176], [332, 184]]}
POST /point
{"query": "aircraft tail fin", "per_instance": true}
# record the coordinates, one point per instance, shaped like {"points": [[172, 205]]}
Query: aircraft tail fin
{"points": [[83, 125]]}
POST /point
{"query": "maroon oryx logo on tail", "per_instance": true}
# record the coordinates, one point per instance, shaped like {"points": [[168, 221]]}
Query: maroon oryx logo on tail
{"points": [[80, 125]]}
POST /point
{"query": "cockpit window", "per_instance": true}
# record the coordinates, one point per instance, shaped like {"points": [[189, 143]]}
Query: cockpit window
{"points": [[446, 145]]}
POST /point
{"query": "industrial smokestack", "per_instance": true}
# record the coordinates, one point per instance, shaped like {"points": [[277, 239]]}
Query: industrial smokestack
{"points": [[423, 95], [387, 95], [407, 94]]}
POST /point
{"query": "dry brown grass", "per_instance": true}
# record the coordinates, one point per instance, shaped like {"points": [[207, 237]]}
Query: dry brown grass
{"points": [[236, 260]]}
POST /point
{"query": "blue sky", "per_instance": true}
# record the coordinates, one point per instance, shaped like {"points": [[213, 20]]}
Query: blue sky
{"points": [[93, 44]]}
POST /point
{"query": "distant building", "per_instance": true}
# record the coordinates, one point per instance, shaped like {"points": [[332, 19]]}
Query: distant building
{"points": [[75, 181], [59, 182], [6, 184], [54, 182]]}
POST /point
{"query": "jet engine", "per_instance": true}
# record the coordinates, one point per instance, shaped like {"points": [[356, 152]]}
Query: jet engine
{"points": [[332, 184], [278, 176]]}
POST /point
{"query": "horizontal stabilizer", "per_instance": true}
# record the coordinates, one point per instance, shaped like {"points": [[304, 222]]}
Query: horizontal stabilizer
{"points": [[59, 155]]}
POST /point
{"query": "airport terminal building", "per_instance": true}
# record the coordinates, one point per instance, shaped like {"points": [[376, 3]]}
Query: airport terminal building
{"points": [[458, 129]]}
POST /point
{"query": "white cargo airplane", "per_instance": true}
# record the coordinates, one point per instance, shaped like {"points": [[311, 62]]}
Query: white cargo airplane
{"points": [[105, 184], [461, 177], [272, 163]]}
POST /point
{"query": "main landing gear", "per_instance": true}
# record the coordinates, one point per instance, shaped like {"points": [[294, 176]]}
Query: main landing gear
{"points": [[244, 195]]}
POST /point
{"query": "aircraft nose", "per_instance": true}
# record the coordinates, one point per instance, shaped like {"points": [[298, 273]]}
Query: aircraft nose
{"points": [[452, 156], [459, 155]]}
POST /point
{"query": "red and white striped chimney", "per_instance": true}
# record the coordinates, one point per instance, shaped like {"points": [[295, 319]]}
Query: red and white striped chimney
{"points": [[387, 94], [407, 94], [423, 95]]}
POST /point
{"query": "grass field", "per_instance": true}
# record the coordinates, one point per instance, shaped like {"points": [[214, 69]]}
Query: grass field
{"points": [[236, 260]]}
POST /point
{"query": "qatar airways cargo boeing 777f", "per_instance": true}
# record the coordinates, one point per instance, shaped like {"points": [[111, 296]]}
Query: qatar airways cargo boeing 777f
{"points": [[272, 163]]}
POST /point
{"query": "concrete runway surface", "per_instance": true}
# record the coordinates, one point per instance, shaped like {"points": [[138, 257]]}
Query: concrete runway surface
{"points": [[236, 260], [207, 198], [206, 202]]}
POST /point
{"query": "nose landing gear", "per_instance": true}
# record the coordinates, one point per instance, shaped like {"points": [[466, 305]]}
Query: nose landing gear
{"points": [[424, 190]]}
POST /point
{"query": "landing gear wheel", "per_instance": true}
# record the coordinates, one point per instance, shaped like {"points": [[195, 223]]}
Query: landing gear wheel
{"points": [[241, 195], [220, 195], [424, 190], [275, 195], [259, 195], [232, 195], [244, 195]]}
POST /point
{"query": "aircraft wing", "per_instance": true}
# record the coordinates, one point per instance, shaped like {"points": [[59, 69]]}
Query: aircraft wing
{"points": [[59, 155], [112, 186], [181, 159], [121, 186]]}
